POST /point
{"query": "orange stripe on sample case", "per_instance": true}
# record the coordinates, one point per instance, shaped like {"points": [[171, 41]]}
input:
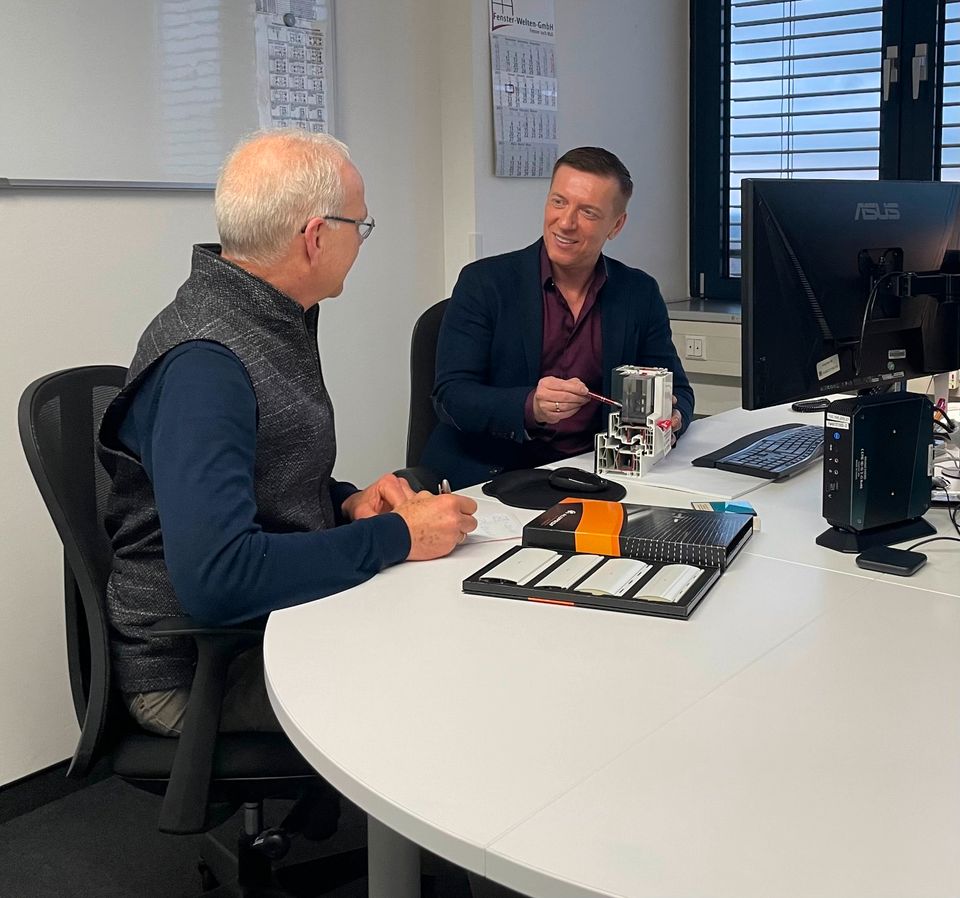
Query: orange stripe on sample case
{"points": [[598, 532]]}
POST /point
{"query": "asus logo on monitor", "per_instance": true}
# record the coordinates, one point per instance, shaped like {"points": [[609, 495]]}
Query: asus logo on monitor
{"points": [[876, 212]]}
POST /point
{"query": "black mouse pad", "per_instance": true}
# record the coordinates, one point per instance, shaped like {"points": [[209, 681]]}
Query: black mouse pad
{"points": [[531, 488]]}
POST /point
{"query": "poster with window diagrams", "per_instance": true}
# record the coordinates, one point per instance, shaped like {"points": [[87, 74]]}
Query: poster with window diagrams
{"points": [[523, 64], [294, 45]]}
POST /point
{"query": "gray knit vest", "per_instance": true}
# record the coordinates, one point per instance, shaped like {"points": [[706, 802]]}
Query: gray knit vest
{"points": [[277, 343]]}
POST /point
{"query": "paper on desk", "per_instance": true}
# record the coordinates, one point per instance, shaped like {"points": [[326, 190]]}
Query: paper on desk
{"points": [[494, 521], [703, 481]]}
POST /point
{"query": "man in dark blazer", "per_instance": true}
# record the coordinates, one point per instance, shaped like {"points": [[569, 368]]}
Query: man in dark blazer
{"points": [[526, 335]]}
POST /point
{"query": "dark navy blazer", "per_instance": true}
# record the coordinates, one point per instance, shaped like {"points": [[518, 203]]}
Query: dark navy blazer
{"points": [[488, 359]]}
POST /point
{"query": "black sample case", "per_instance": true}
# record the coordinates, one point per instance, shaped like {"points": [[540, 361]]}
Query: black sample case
{"points": [[632, 601], [699, 545]]}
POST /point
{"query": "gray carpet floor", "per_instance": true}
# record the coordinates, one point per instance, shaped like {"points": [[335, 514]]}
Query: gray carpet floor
{"points": [[102, 842], [99, 841]]}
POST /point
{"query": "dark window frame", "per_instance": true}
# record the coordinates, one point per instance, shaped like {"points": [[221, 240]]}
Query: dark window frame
{"points": [[910, 131]]}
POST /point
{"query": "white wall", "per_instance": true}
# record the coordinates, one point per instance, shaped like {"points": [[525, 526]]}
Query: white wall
{"points": [[84, 272], [390, 116], [623, 69]]}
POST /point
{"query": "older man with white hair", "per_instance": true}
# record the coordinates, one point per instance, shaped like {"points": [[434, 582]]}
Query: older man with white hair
{"points": [[221, 444]]}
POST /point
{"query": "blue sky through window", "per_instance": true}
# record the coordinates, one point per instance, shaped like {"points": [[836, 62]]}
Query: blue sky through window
{"points": [[805, 94], [950, 135]]}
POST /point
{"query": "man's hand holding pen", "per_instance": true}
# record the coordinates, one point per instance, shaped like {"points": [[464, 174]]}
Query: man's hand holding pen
{"points": [[556, 399], [437, 524]]}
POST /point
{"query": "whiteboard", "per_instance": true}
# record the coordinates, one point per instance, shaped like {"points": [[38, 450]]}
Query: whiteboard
{"points": [[154, 92]]}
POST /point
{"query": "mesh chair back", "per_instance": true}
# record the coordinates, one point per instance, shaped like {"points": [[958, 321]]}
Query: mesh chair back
{"points": [[58, 419], [423, 371]]}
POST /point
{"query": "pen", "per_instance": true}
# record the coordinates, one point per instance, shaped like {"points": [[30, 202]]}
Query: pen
{"points": [[604, 400]]}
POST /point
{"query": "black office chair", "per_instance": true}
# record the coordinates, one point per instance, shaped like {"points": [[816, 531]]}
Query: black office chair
{"points": [[422, 418], [423, 372], [203, 772]]}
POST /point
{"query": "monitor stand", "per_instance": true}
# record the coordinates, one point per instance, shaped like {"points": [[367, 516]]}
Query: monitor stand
{"points": [[855, 541]]}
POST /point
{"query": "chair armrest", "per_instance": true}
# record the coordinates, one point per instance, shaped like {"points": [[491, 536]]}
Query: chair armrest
{"points": [[187, 626], [184, 807], [420, 477]]}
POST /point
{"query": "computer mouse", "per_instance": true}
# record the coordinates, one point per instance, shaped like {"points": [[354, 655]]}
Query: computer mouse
{"points": [[577, 479]]}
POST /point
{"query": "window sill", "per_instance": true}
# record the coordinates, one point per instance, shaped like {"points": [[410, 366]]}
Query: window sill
{"points": [[719, 310]]}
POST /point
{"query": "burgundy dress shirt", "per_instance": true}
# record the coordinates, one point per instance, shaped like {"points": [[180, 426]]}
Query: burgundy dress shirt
{"points": [[571, 348]]}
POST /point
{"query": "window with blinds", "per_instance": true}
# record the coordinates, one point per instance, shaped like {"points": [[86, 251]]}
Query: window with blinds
{"points": [[795, 89], [950, 114], [804, 95]]}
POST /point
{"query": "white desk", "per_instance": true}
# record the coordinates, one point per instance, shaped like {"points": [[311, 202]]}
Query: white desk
{"points": [[799, 735]]}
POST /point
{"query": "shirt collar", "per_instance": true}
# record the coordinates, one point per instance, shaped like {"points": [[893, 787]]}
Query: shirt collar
{"points": [[546, 270]]}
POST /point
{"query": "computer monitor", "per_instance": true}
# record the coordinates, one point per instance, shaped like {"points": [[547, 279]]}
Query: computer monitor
{"points": [[816, 254]]}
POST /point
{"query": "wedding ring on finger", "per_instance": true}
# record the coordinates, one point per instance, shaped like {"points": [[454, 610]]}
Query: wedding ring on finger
{"points": [[557, 404]]}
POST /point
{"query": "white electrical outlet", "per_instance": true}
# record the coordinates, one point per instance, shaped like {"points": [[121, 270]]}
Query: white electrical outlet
{"points": [[694, 348]]}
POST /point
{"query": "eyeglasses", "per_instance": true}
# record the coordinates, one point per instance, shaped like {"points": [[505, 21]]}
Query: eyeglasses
{"points": [[364, 226]]}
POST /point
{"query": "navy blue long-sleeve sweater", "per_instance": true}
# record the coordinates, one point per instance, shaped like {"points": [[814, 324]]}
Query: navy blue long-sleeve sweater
{"points": [[193, 426]]}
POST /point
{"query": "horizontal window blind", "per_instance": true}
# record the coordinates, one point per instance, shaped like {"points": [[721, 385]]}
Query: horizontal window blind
{"points": [[950, 119], [804, 95]]}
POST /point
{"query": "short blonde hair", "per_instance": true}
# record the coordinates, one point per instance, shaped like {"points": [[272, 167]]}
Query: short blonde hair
{"points": [[270, 185]]}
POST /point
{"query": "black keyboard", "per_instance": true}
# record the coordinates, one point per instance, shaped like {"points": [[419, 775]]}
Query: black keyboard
{"points": [[775, 453]]}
